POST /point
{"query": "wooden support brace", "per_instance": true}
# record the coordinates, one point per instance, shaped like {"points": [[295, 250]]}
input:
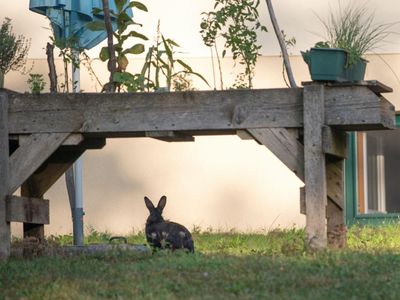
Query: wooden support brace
{"points": [[285, 145], [314, 167], [5, 233], [336, 228], [31, 155], [27, 210]]}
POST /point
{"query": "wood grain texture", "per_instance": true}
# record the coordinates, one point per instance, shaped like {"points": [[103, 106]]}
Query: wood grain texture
{"points": [[200, 110], [334, 142], [118, 114], [49, 172], [28, 210], [336, 228], [314, 167], [284, 145], [31, 155], [5, 233]]}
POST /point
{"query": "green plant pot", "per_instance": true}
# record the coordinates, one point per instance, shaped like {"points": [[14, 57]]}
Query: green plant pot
{"points": [[329, 64], [357, 71]]}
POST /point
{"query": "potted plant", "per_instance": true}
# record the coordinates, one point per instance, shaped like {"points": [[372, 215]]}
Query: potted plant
{"points": [[350, 33]]}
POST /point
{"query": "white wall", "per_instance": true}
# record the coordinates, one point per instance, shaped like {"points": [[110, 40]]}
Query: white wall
{"points": [[222, 182]]}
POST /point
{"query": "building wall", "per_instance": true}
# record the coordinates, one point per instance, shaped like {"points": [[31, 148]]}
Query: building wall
{"points": [[217, 182]]}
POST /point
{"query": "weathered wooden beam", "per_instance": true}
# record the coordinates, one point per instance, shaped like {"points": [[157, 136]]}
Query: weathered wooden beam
{"points": [[336, 228], [72, 140], [245, 135], [374, 85], [357, 108], [197, 110], [283, 144], [334, 142], [314, 167], [27, 210], [5, 233], [33, 230], [31, 155], [47, 174], [124, 114], [170, 136]]}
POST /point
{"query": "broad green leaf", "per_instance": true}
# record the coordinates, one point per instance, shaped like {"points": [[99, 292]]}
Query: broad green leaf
{"points": [[104, 54], [122, 62], [138, 5], [138, 35], [136, 49], [120, 4], [96, 26]]}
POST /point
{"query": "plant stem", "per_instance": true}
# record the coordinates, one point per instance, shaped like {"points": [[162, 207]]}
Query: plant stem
{"points": [[282, 45], [52, 68], [219, 67], [112, 62]]}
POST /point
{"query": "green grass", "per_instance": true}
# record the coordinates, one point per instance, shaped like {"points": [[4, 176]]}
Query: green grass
{"points": [[225, 266]]}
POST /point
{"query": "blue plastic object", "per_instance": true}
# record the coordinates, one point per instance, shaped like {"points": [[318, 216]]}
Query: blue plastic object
{"points": [[69, 17]]}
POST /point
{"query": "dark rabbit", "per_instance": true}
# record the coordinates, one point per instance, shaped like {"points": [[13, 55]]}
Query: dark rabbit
{"points": [[165, 234]]}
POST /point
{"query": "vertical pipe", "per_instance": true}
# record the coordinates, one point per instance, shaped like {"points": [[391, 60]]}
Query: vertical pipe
{"points": [[77, 209]]}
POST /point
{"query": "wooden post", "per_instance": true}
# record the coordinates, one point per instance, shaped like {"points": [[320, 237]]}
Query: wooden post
{"points": [[336, 228], [32, 230], [314, 167], [5, 233]]}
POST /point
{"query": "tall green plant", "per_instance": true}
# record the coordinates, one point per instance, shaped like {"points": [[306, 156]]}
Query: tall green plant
{"points": [[13, 49], [353, 29], [121, 35], [237, 22], [161, 69]]}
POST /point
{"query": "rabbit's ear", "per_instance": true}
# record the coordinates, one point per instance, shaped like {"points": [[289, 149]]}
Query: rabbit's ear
{"points": [[162, 203], [149, 204]]}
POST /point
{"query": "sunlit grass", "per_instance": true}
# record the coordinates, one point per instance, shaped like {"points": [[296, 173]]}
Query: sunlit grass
{"points": [[271, 265]]}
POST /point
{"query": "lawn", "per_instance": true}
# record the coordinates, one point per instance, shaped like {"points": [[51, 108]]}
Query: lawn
{"points": [[230, 265]]}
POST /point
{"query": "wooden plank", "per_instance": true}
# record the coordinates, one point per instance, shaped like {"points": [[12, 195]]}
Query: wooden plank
{"points": [[314, 167], [31, 230], [334, 179], [127, 114], [170, 136], [374, 85], [47, 174], [334, 142], [357, 108], [285, 146], [31, 155], [27, 210], [5, 233], [336, 228], [245, 135], [72, 140], [303, 200], [176, 111]]}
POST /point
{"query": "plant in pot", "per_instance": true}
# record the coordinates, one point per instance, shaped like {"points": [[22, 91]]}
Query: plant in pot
{"points": [[350, 33], [13, 50]]}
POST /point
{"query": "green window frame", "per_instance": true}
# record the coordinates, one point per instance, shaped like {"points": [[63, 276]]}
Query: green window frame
{"points": [[351, 199]]}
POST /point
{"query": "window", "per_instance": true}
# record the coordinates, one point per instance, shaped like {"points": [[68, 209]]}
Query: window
{"points": [[373, 176]]}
